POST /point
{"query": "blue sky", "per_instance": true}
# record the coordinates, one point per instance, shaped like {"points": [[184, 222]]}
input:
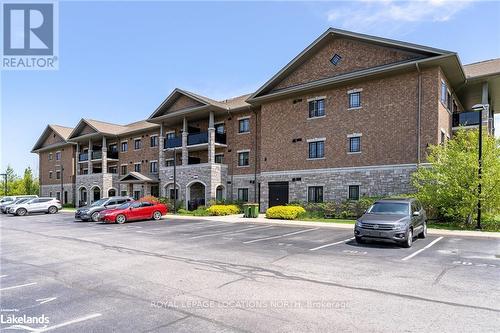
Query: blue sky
{"points": [[119, 60]]}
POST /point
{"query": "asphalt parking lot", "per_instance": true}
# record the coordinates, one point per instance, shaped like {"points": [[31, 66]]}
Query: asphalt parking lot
{"points": [[209, 276]]}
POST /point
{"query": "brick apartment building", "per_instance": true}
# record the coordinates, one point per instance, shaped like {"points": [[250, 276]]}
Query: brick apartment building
{"points": [[352, 115]]}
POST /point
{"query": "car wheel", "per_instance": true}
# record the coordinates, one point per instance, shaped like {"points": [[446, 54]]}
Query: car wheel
{"points": [[409, 239], [21, 212], [157, 215], [120, 219], [52, 209], [95, 216], [423, 234], [360, 240]]}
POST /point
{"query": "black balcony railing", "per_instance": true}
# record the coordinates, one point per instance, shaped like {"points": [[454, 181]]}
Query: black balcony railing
{"points": [[96, 155], [173, 142], [469, 118], [83, 157], [197, 138]]}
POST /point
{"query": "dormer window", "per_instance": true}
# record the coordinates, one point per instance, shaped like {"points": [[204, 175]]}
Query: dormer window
{"points": [[335, 59]]}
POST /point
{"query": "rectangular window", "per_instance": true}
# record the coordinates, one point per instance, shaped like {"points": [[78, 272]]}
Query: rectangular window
{"points": [[444, 92], [58, 174], [219, 158], [219, 128], [353, 192], [170, 135], [355, 144], [153, 140], [243, 158], [58, 155], [315, 194], [317, 108], [243, 194], [50, 174], [58, 195], [123, 193], [137, 144], [449, 101], [153, 167], [113, 169], [137, 167], [50, 156], [244, 125], [123, 170], [169, 162], [355, 100], [317, 149], [124, 146]]}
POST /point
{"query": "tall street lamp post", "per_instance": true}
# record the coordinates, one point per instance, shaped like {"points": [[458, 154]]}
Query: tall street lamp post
{"points": [[480, 108]]}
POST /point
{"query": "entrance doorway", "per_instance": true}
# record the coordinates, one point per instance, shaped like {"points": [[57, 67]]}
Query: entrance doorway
{"points": [[278, 193]]}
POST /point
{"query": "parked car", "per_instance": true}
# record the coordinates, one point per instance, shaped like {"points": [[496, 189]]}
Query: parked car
{"points": [[36, 205], [91, 212], [5, 208], [133, 211], [397, 220], [11, 198]]}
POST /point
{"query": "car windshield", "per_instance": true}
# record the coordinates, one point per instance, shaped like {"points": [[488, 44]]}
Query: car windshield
{"points": [[123, 206], [389, 208], [19, 201], [98, 202]]}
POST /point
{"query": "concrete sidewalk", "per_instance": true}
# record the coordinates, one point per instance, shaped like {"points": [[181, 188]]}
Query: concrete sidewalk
{"points": [[262, 219]]}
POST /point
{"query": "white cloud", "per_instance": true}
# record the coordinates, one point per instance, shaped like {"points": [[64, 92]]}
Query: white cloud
{"points": [[368, 15]]}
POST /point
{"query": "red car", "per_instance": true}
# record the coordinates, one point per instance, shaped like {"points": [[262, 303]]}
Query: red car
{"points": [[133, 211]]}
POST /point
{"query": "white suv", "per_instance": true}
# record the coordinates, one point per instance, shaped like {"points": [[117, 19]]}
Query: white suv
{"points": [[37, 205]]}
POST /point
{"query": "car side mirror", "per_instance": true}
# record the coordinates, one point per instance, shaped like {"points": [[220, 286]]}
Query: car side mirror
{"points": [[416, 213]]}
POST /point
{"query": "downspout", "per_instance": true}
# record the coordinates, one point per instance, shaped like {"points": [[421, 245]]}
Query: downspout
{"points": [[419, 111]]}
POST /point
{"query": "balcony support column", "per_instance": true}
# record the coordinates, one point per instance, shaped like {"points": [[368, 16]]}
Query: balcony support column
{"points": [[161, 162], [185, 156], [77, 158], [211, 138], [89, 163], [104, 155]]}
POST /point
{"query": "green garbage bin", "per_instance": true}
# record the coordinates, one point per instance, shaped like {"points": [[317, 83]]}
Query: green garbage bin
{"points": [[251, 210]]}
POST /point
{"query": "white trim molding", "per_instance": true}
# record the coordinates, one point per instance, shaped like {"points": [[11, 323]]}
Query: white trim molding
{"points": [[352, 91], [354, 135], [316, 139], [316, 98]]}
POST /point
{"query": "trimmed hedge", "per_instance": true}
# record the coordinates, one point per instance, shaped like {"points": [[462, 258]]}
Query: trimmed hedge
{"points": [[220, 210], [284, 212]]}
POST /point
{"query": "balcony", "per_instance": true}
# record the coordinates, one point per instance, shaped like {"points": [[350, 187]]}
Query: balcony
{"points": [[197, 138], [96, 155], [113, 155], [173, 142], [469, 118], [83, 157]]}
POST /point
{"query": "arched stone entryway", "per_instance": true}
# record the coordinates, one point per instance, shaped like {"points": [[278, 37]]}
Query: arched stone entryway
{"points": [[195, 194], [169, 191], [95, 193], [220, 193], [111, 192], [82, 196]]}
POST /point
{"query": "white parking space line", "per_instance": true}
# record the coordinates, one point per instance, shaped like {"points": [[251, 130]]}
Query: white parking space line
{"points": [[279, 236], [331, 244], [230, 232], [19, 286], [423, 249], [45, 300], [145, 232], [2, 276]]}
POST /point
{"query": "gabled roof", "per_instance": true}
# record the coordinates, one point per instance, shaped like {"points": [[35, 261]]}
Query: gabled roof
{"points": [[107, 128], [425, 51], [62, 131], [205, 102], [137, 177], [482, 68]]}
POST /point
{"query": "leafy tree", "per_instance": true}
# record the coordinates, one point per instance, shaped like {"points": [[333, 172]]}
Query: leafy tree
{"points": [[16, 185], [29, 183], [449, 186]]}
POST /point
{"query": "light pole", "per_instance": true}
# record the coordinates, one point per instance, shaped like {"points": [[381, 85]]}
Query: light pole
{"points": [[480, 108]]}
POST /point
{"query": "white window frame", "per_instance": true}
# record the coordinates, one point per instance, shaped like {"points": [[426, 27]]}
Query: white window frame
{"points": [[140, 166], [60, 155], [353, 135], [243, 118], [157, 167], [238, 160], [121, 146], [121, 167], [352, 91], [157, 140], [315, 140], [140, 140]]}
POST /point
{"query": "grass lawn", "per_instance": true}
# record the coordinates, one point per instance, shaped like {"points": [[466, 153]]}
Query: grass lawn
{"points": [[68, 209], [492, 225]]}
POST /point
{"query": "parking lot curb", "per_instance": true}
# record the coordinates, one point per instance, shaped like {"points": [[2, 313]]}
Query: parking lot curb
{"points": [[262, 220]]}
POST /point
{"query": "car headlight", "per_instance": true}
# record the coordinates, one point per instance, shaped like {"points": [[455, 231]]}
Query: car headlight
{"points": [[359, 224], [399, 226]]}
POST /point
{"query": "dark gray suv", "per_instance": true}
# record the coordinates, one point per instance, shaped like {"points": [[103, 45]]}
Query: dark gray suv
{"points": [[397, 220], [91, 212]]}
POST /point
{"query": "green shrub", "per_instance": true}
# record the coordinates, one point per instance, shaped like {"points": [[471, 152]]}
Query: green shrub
{"points": [[220, 210], [183, 211], [200, 211], [284, 212]]}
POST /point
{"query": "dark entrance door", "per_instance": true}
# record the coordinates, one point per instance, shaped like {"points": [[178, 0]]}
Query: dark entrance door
{"points": [[278, 193]]}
